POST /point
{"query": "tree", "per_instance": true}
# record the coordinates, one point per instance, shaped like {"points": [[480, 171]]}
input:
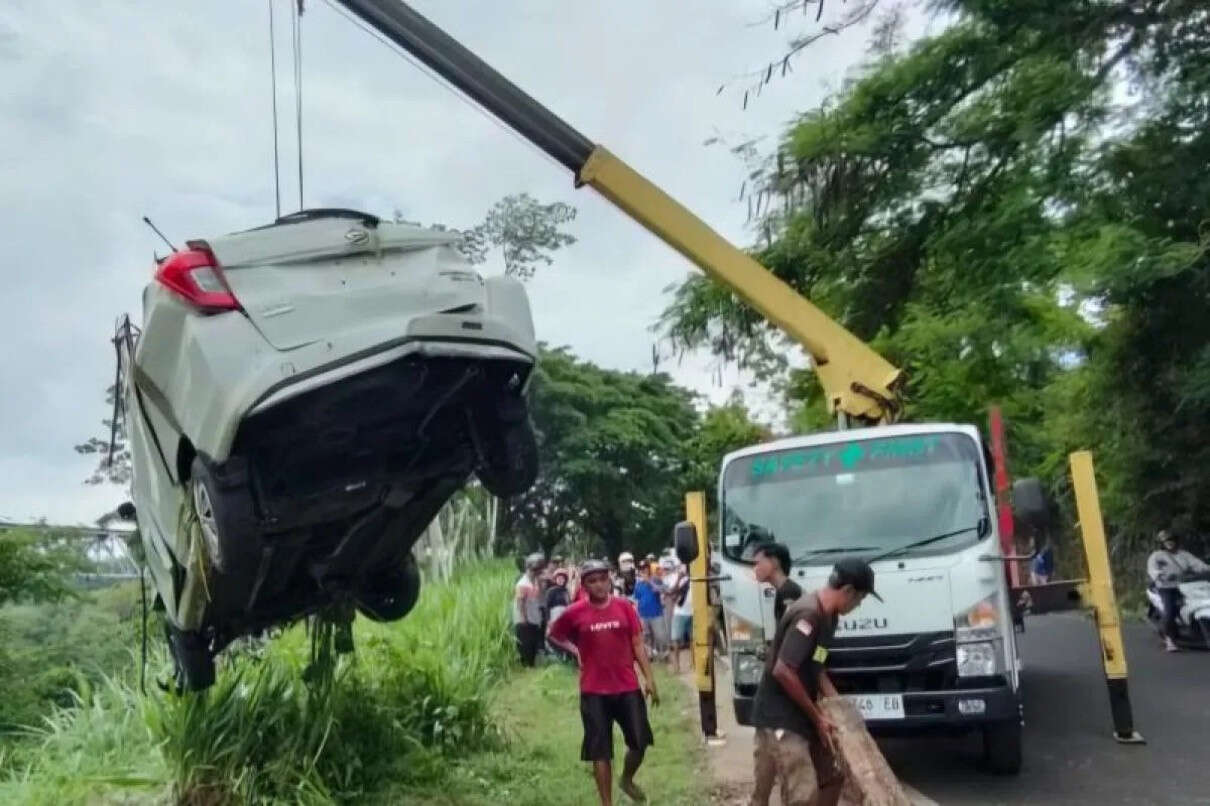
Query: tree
{"points": [[36, 566], [723, 429], [113, 467], [991, 212], [525, 231], [615, 455]]}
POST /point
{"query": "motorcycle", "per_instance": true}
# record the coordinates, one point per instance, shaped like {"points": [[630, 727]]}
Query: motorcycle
{"points": [[1193, 621]]}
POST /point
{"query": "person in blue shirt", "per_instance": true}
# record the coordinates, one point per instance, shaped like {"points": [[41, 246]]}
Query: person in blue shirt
{"points": [[651, 612], [1043, 566]]}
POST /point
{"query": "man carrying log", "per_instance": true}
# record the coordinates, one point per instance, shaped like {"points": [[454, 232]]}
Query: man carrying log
{"points": [[793, 735]]}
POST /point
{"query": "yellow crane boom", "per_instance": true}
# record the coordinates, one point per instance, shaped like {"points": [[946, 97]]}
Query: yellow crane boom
{"points": [[859, 383]]}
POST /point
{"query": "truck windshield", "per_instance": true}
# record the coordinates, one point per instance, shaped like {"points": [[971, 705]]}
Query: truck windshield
{"points": [[864, 496]]}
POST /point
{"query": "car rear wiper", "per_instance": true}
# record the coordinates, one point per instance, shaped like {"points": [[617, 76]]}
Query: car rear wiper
{"points": [[978, 527], [810, 555]]}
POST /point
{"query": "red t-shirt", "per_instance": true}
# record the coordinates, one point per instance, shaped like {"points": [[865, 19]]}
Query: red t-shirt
{"points": [[604, 636]]}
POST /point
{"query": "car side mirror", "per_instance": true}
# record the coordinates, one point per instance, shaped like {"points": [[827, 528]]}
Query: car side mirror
{"points": [[125, 511], [684, 538], [1031, 505]]}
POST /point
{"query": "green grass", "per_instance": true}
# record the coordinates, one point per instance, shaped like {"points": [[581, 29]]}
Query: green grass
{"points": [[432, 709], [540, 765]]}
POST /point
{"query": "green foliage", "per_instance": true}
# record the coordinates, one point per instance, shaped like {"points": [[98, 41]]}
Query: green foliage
{"points": [[36, 566], [613, 454], [723, 429], [50, 652], [618, 451], [415, 695], [993, 213]]}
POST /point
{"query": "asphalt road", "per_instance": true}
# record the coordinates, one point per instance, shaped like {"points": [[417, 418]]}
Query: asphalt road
{"points": [[1070, 754]]}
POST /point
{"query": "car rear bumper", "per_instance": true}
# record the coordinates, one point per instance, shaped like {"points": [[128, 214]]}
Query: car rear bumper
{"points": [[206, 374]]}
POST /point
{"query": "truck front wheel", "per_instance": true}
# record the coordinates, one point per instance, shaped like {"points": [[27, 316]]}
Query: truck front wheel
{"points": [[1002, 747]]}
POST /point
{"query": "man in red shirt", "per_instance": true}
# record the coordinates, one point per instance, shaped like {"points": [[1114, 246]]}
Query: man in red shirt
{"points": [[602, 632]]}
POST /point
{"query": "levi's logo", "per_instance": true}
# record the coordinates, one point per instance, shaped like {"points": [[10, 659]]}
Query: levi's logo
{"points": [[604, 625]]}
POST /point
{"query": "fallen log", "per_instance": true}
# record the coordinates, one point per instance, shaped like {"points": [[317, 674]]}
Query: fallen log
{"points": [[869, 780]]}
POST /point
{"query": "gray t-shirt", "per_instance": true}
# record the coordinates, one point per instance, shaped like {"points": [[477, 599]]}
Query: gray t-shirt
{"points": [[802, 639], [525, 595]]}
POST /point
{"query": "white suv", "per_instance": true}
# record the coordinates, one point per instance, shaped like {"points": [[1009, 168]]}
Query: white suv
{"points": [[302, 399]]}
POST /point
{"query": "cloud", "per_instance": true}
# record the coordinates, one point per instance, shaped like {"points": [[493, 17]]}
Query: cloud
{"points": [[114, 110]]}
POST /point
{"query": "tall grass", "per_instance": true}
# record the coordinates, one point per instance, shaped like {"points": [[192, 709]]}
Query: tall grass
{"points": [[413, 696]]}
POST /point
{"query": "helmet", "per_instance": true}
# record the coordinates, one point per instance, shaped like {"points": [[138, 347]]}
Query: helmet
{"points": [[593, 567], [625, 557], [535, 560], [668, 563], [1163, 536]]}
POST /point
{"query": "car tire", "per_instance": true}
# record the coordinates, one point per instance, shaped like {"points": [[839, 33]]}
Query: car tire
{"points": [[1002, 747], [225, 514], [391, 596], [508, 460], [191, 659], [1203, 631]]}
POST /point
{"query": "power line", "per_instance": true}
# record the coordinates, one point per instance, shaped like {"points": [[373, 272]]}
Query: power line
{"points": [[273, 84], [296, 19], [440, 81]]}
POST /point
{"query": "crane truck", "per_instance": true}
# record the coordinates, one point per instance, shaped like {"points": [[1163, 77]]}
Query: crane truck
{"points": [[916, 500]]}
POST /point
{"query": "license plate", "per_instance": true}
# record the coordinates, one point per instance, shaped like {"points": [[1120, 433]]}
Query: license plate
{"points": [[878, 706]]}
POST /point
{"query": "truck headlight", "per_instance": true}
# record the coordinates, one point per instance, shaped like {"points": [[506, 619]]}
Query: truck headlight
{"points": [[742, 631], [980, 623], [747, 669], [976, 659]]}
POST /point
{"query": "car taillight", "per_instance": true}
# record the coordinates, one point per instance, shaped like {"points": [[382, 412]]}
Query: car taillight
{"points": [[196, 276]]}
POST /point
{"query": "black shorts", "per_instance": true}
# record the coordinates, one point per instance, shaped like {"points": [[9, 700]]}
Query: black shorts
{"points": [[600, 711]]}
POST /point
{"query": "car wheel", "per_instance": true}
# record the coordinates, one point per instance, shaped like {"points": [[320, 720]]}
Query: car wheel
{"points": [[203, 507], [1002, 747], [1203, 629], [391, 596], [508, 462], [230, 536]]}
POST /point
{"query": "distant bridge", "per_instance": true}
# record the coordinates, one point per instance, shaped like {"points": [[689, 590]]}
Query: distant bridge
{"points": [[103, 548]]}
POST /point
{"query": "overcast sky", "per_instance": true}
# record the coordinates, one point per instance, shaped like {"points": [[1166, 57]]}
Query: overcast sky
{"points": [[112, 110]]}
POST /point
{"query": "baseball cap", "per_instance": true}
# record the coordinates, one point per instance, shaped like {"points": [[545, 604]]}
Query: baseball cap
{"points": [[593, 567], [625, 557], [856, 572]]}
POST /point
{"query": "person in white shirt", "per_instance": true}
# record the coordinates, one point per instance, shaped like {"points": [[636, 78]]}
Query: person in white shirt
{"points": [[527, 610], [682, 624], [1167, 567]]}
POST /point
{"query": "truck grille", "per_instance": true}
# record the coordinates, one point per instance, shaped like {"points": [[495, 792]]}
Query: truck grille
{"points": [[893, 663]]}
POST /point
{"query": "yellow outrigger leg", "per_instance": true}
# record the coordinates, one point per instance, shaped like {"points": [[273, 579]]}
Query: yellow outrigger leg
{"points": [[703, 614], [1097, 593]]}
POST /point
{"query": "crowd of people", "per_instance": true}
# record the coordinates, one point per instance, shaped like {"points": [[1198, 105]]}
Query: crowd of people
{"points": [[657, 587]]}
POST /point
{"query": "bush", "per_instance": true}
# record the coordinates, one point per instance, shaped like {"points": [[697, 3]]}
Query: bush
{"points": [[412, 697], [48, 650]]}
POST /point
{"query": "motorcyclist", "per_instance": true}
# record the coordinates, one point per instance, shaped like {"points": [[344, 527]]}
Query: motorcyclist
{"points": [[1167, 567]]}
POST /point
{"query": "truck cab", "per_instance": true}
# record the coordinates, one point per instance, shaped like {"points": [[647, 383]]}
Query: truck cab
{"points": [[938, 654]]}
